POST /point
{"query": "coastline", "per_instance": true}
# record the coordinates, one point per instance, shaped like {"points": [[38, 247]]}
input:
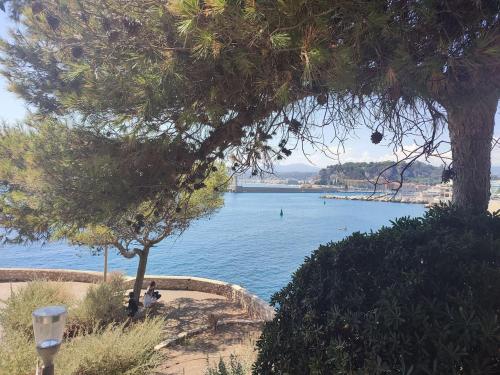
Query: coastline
{"points": [[384, 198], [493, 206]]}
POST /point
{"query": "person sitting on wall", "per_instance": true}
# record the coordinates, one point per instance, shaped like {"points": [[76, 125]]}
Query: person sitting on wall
{"points": [[132, 306], [152, 288], [152, 295]]}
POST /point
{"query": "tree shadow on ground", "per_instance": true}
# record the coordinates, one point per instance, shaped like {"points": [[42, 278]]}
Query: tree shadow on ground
{"points": [[185, 314]]}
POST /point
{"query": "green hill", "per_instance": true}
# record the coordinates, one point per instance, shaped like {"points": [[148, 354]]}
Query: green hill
{"points": [[418, 172]]}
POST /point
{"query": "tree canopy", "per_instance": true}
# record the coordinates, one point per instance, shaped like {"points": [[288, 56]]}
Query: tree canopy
{"points": [[256, 79], [47, 181]]}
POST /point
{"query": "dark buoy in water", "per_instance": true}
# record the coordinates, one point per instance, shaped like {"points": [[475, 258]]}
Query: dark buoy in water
{"points": [[281, 212]]}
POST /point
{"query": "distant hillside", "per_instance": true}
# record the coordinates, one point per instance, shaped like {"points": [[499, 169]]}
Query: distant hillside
{"points": [[418, 172]]}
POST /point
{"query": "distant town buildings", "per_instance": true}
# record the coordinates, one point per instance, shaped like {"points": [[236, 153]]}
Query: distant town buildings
{"points": [[410, 192], [436, 194]]}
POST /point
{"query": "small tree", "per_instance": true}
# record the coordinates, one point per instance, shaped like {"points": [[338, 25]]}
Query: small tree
{"points": [[44, 172]]}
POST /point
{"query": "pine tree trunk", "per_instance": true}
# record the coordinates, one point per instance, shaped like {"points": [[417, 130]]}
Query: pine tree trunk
{"points": [[141, 271], [471, 123]]}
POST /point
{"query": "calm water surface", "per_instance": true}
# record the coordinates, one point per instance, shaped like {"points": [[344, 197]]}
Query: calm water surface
{"points": [[246, 242]]}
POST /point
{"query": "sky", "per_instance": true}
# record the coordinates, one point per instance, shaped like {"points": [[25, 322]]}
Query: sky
{"points": [[358, 148]]}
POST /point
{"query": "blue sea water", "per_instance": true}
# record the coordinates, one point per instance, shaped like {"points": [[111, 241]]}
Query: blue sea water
{"points": [[246, 242]]}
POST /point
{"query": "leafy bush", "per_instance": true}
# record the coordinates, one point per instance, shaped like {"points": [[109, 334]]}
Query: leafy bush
{"points": [[17, 355], [420, 297], [103, 303], [113, 351], [16, 315], [234, 368]]}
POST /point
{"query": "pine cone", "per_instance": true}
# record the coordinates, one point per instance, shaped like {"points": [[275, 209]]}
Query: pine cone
{"points": [[322, 99], [77, 52], [376, 137], [447, 175], [294, 126], [36, 7], [53, 22]]}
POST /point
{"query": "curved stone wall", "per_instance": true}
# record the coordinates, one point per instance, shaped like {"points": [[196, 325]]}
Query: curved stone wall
{"points": [[29, 274], [256, 307]]}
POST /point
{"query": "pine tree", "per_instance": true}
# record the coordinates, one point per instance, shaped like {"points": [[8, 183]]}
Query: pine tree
{"points": [[221, 77]]}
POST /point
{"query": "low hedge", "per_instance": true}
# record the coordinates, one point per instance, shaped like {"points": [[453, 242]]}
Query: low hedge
{"points": [[419, 297]]}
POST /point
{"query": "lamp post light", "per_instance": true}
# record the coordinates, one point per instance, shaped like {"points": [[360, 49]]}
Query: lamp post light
{"points": [[48, 324], [105, 276]]}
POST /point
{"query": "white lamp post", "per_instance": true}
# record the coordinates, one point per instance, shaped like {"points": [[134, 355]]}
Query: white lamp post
{"points": [[105, 276], [48, 324]]}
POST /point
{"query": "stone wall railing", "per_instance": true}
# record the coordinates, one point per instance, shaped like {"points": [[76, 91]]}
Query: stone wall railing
{"points": [[256, 307], [29, 274]]}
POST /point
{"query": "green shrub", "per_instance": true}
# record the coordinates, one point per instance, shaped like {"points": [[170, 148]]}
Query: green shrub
{"points": [[234, 368], [103, 303], [16, 314], [420, 297], [113, 351], [17, 355]]}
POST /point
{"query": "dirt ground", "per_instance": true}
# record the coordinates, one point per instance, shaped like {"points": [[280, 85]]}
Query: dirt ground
{"points": [[191, 356], [185, 311], [194, 355]]}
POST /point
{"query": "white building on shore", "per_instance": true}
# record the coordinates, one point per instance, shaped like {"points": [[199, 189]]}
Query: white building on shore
{"points": [[436, 194]]}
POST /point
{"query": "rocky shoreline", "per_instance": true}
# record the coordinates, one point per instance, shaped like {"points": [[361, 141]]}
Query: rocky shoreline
{"points": [[377, 198], [493, 207]]}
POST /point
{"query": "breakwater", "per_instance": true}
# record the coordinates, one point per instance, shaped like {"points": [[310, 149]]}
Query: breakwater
{"points": [[285, 189], [291, 189], [378, 198]]}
